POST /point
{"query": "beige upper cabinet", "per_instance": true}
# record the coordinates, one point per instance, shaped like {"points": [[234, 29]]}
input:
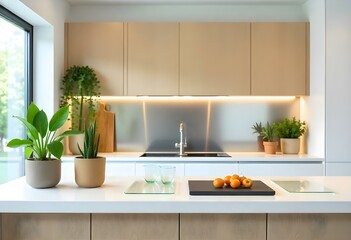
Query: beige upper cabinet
{"points": [[279, 59], [100, 46], [153, 58], [214, 58]]}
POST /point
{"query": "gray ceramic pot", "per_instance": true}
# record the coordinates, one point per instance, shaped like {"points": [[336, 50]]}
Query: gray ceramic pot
{"points": [[43, 173]]}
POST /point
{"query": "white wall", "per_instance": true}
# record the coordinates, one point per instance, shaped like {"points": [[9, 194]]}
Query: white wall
{"points": [[338, 86], [48, 18], [187, 12], [313, 106]]}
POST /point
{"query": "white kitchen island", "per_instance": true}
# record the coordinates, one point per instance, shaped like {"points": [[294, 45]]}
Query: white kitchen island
{"points": [[108, 213]]}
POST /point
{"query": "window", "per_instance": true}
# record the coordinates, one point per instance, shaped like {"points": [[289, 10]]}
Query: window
{"points": [[16, 55]]}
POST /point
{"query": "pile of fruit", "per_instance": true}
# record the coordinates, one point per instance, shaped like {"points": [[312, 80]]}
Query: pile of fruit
{"points": [[234, 181]]}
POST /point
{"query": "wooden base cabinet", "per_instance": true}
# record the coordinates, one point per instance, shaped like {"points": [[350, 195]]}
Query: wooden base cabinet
{"points": [[308, 226], [222, 226], [135, 226], [27, 226]]}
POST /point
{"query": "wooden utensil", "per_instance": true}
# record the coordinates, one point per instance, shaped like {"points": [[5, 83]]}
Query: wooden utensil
{"points": [[105, 122]]}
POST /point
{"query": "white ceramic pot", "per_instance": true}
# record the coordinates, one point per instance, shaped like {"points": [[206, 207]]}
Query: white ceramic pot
{"points": [[89, 172], [290, 145], [43, 173], [73, 143]]}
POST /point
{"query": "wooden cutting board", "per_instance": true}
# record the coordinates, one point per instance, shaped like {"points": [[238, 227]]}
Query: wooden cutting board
{"points": [[205, 187], [105, 124]]}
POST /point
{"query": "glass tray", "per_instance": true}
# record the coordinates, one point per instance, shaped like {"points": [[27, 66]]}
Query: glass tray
{"points": [[142, 187], [296, 186]]}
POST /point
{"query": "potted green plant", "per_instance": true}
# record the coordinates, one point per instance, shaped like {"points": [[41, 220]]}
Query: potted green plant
{"points": [[43, 148], [90, 168], [258, 129], [81, 89], [289, 131], [269, 138]]}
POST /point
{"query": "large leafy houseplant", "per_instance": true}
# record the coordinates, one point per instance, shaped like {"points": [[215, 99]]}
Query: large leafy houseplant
{"points": [[43, 142], [80, 85], [90, 168], [43, 147]]}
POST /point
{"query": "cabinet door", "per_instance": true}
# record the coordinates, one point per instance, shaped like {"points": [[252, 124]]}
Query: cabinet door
{"points": [[281, 169], [53, 226], [222, 226], [153, 58], [100, 46], [279, 59], [120, 169], [214, 58], [112, 169], [139, 167], [135, 226], [210, 169], [308, 226]]}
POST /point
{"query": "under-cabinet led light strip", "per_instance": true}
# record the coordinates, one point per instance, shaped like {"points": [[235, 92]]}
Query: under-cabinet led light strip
{"points": [[194, 98]]}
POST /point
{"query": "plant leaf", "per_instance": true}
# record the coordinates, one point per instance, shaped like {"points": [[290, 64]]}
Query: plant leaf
{"points": [[31, 112], [32, 131], [67, 134], [15, 143], [56, 149], [28, 152], [59, 118], [40, 122]]}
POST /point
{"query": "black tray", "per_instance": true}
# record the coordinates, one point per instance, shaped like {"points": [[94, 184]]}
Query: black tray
{"points": [[205, 187]]}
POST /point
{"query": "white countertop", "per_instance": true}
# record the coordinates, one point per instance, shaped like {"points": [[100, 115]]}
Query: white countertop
{"points": [[234, 157], [17, 197]]}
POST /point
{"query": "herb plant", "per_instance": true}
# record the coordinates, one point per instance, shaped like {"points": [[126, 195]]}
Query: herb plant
{"points": [[91, 144], [42, 140], [291, 128], [80, 85], [269, 132]]}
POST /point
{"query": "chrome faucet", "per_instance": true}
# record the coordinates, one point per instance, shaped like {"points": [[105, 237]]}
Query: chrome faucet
{"points": [[182, 144]]}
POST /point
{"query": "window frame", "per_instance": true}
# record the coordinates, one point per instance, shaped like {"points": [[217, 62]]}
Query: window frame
{"points": [[28, 28]]}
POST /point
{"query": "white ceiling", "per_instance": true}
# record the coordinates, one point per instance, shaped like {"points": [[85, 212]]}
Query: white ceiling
{"points": [[184, 1]]}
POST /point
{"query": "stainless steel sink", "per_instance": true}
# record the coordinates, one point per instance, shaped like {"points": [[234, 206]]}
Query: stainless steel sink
{"points": [[190, 154]]}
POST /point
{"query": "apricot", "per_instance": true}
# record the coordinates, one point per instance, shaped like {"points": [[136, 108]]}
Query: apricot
{"points": [[235, 183], [242, 178], [247, 183], [227, 180], [218, 183], [235, 176]]}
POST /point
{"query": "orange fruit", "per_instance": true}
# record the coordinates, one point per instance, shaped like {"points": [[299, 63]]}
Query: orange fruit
{"points": [[218, 183], [247, 183], [227, 180], [235, 183], [242, 179], [235, 176]]}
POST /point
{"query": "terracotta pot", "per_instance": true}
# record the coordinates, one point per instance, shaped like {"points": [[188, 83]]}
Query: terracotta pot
{"points": [[73, 143], [89, 172], [290, 145], [270, 147], [43, 173]]}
